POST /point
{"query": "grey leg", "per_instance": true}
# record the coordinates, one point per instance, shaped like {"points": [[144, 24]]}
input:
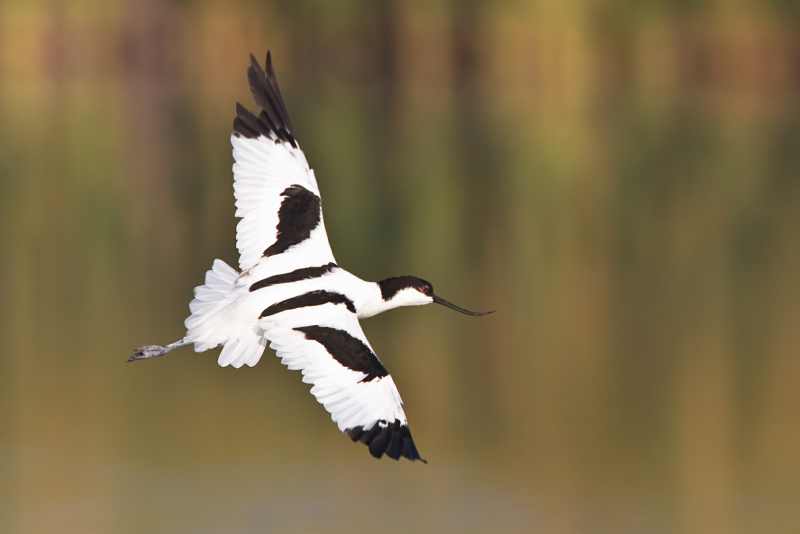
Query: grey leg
{"points": [[156, 351]]}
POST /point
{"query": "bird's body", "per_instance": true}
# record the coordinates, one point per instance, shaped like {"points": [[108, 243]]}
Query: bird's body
{"points": [[290, 293]]}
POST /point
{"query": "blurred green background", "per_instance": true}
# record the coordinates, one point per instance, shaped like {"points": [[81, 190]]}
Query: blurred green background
{"points": [[620, 179]]}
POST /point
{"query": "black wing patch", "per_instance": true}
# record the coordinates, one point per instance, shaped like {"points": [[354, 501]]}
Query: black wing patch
{"points": [[393, 439], [312, 298], [297, 275], [298, 215], [347, 350], [274, 118]]}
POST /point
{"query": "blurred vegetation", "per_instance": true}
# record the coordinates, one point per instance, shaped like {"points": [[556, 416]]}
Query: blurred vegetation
{"points": [[619, 179]]}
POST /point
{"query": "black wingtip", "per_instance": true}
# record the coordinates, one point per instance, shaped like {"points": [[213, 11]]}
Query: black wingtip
{"points": [[392, 439], [274, 117]]}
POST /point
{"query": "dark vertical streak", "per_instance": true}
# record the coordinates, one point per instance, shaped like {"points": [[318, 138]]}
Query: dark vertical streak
{"points": [[299, 214], [349, 351]]}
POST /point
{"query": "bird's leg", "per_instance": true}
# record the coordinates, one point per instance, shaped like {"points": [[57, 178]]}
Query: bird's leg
{"points": [[156, 351]]}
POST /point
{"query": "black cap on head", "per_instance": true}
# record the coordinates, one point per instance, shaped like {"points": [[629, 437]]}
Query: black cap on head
{"points": [[390, 286]]}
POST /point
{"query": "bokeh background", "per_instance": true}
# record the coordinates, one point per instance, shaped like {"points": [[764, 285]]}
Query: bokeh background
{"points": [[620, 179]]}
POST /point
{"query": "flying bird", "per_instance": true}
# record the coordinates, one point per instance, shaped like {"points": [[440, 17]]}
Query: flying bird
{"points": [[290, 293]]}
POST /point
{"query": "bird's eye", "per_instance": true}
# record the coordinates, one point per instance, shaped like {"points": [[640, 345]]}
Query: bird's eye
{"points": [[426, 290]]}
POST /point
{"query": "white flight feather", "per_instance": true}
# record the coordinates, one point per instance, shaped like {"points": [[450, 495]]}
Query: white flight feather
{"points": [[349, 399], [263, 169]]}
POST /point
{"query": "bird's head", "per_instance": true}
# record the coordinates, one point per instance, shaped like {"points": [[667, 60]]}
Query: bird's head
{"points": [[412, 291]]}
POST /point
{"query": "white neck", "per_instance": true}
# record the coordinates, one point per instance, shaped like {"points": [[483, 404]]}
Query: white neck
{"points": [[368, 299], [366, 296], [372, 302]]}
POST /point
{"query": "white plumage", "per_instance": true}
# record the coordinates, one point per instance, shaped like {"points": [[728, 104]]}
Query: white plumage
{"points": [[342, 391], [289, 292], [263, 169]]}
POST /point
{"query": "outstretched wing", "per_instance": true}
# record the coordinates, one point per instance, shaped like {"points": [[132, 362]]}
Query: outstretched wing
{"points": [[276, 193], [319, 334]]}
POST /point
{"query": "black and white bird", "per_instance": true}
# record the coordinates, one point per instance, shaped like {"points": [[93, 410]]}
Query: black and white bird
{"points": [[290, 293]]}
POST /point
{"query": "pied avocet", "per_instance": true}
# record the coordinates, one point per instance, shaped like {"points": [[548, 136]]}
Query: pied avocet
{"points": [[290, 292]]}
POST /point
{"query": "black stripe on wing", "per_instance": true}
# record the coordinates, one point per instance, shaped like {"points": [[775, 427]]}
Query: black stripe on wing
{"points": [[274, 118], [349, 351], [312, 298], [299, 214], [297, 275], [393, 439]]}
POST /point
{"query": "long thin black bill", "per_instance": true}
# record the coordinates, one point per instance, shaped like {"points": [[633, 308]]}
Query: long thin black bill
{"points": [[439, 300]]}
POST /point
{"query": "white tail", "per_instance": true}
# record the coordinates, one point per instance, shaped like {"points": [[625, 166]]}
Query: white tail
{"points": [[213, 321]]}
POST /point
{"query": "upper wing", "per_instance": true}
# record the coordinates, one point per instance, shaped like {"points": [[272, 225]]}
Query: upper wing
{"points": [[276, 193], [318, 334]]}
